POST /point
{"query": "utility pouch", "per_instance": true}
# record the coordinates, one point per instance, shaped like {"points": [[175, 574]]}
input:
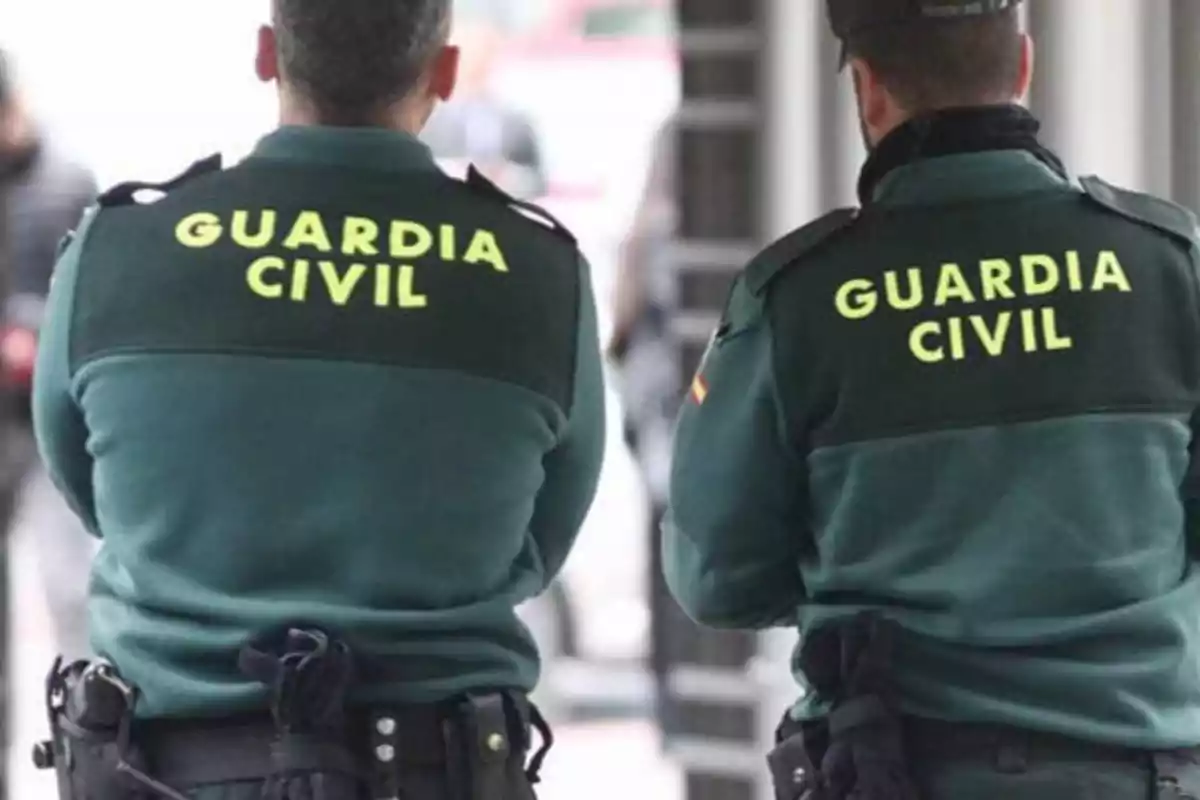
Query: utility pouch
{"points": [[487, 733]]}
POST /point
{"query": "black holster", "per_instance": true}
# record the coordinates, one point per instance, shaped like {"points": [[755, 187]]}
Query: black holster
{"points": [[857, 751], [90, 710]]}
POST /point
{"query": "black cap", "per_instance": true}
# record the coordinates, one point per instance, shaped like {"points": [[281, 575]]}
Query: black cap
{"points": [[848, 17]]}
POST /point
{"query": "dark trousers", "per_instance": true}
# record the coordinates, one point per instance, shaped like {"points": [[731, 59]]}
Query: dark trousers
{"points": [[415, 784], [1046, 780], [184, 771], [919, 759], [983, 763]]}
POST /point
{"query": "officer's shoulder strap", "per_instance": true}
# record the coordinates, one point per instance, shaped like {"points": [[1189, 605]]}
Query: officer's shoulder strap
{"points": [[768, 264], [125, 194], [476, 181], [1145, 209]]}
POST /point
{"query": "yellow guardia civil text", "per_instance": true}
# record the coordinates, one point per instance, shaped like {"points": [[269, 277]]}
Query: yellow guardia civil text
{"points": [[952, 319], [364, 256]]}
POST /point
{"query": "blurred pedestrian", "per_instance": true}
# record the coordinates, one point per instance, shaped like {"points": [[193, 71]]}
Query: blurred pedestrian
{"points": [[48, 192], [478, 127], [645, 355]]}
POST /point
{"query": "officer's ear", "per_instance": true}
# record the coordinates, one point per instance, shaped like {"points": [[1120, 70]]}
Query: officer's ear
{"points": [[876, 107], [266, 60], [443, 72], [1025, 75]]}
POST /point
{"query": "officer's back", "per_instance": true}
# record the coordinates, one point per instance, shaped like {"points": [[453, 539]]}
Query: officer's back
{"points": [[955, 426], [326, 386]]}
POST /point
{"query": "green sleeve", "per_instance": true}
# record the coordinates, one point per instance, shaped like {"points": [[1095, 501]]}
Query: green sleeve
{"points": [[733, 532], [1191, 492], [1191, 482], [57, 419], [1190, 489], [573, 467]]}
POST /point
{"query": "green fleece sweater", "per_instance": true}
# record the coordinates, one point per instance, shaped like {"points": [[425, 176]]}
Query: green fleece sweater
{"points": [[969, 408], [327, 385]]}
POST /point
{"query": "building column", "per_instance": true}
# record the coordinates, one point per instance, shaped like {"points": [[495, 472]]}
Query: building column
{"points": [[1090, 85], [1185, 98]]}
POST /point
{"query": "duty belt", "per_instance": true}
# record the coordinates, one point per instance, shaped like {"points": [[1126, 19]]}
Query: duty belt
{"points": [[862, 748], [309, 745]]}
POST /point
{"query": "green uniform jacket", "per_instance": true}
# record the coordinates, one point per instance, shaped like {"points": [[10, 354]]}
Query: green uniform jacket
{"points": [[969, 407], [327, 385]]}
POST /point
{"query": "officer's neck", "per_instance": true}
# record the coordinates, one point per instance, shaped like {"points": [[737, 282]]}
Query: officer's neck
{"points": [[898, 116], [402, 117]]}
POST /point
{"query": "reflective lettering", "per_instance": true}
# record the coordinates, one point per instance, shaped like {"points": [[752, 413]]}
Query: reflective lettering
{"points": [[202, 229], [485, 249], [991, 338], [410, 240], [300, 280], [339, 286], [408, 296], [1109, 273], [856, 299], [916, 293], [1040, 275], [996, 274], [257, 281], [917, 343], [359, 236], [309, 231], [266, 230], [952, 286]]}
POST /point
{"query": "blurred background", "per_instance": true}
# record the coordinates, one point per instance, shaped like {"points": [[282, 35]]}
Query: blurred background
{"points": [[674, 137]]}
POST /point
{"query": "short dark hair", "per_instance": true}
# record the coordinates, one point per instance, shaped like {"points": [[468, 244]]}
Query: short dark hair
{"points": [[353, 58], [928, 64]]}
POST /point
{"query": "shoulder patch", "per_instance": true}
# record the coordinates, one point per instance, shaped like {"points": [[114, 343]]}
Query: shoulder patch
{"points": [[476, 181], [1142, 208], [124, 194], [770, 262]]}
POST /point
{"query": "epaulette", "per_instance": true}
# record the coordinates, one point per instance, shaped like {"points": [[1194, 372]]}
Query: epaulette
{"points": [[64, 243], [124, 194], [475, 180], [770, 262], [69, 238], [1142, 208]]}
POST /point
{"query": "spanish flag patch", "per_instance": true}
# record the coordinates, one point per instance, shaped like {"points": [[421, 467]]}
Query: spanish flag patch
{"points": [[699, 388]]}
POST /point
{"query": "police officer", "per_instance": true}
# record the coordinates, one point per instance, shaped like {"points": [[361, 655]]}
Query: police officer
{"points": [[946, 435], [334, 415]]}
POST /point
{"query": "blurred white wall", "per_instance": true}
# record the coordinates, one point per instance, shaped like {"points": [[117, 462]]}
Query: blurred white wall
{"points": [[1117, 85], [141, 88]]}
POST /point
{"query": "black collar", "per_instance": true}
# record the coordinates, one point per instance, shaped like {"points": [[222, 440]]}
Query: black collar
{"points": [[952, 132]]}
